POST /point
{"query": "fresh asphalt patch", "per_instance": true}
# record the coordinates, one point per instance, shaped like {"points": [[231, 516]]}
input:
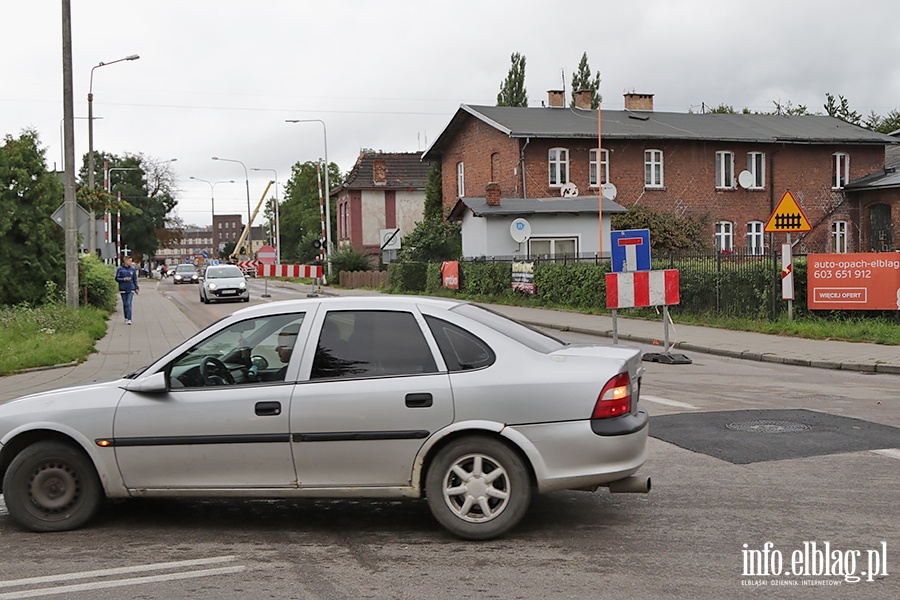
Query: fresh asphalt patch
{"points": [[747, 436]]}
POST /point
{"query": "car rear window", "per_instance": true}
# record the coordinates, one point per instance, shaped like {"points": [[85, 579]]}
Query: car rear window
{"points": [[532, 338]]}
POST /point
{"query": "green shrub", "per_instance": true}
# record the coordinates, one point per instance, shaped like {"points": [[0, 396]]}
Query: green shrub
{"points": [[350, 259], [100, 281], [407, 276], [485, 278]]}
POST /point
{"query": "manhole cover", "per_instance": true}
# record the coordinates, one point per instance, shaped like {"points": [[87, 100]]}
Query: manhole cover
{"points": [[767, 426]]}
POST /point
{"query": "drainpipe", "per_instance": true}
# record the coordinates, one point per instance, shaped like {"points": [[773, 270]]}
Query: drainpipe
{"points": [[522, 163]]}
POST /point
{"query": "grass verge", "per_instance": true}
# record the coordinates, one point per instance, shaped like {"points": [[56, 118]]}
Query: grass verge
{"points": [[48, 335]]}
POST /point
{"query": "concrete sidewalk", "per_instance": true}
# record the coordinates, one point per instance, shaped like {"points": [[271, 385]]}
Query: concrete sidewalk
{"points": [[159, 325]]}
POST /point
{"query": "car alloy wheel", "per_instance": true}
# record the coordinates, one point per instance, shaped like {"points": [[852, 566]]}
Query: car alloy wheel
{"points": [[51, 486], [478, 488]]}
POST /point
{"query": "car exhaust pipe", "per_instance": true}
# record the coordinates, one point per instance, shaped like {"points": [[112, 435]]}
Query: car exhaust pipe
{"points": [[636, 484]]}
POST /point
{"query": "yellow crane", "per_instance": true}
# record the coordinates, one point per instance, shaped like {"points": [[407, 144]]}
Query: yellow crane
{"points": [[246, 231]]}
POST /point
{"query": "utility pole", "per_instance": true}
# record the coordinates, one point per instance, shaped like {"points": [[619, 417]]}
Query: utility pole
{"points": [[71, 224]]}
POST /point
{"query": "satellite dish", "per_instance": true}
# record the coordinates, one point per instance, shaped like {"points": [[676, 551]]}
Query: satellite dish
{"points": [[745, 178], [570, 190], [609, 191], [520, 230]]}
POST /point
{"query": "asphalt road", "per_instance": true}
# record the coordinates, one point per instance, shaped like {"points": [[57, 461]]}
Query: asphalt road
{"points": [[689, 538]]}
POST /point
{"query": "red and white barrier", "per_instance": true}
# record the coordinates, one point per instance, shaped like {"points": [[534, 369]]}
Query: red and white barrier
{"points": [[313, 272], [642, 288]]}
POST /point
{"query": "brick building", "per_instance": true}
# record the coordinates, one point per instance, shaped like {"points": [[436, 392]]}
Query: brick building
{"points": [[730, 168], [382, 191]]}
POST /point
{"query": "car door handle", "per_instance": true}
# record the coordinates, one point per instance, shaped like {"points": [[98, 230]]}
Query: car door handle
{"points": [[423, 400], [268, 409]]}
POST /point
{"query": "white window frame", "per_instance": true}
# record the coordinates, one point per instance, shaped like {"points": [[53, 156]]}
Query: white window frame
{"points": [[839, 237], [461, 179], [756, 164], [558, 167], [756, 241], [653, 168], [604, 167], [725, 170], [840, 171], [553, 241], [724, 236]]}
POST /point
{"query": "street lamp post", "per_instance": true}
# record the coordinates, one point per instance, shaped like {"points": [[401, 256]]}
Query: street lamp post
{"points": [[212, 194], [327, 191], [249, 216], [277, 217], [92, 243]]}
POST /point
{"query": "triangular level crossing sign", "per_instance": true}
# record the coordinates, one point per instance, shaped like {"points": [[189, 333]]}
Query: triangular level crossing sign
{"points": [[788, 217]]}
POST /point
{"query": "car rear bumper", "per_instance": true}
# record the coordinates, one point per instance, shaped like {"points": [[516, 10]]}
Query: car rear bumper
{"points": [[570, 455]]}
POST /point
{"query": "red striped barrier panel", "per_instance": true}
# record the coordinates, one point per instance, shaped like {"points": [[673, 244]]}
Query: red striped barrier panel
{"points": [[642, 288], [312, 272]]}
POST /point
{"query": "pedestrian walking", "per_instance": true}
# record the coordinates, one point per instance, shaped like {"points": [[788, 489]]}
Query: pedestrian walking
{"points": [[127, 277]]}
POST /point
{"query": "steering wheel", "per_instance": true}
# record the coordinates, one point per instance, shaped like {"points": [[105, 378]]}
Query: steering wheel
{"points": [[214, 372]]}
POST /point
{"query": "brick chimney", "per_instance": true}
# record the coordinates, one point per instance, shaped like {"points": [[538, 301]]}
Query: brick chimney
{"points": [[492, 194], [556, 98], [584, 99], [379, 172], [639, 101]]}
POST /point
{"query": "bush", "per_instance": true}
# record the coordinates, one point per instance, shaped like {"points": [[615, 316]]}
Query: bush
{"points": [[350, 259], [407, 276], [100, 281]]}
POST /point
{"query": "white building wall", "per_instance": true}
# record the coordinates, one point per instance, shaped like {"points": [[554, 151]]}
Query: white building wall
{"points": [[410, 210], [490, 236], [372, 208]]}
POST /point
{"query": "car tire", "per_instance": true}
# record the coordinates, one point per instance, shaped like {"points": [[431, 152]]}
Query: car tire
{"points": [[492, 498], [203, 300], [50, 486]]}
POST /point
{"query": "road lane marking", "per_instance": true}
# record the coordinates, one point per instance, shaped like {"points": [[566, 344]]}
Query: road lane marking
{"points": [[667, 402], [889, 452], [99, 585], [179, 564]]}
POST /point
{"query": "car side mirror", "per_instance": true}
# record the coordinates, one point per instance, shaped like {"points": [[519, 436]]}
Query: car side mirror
{"points": [[153, 384]]}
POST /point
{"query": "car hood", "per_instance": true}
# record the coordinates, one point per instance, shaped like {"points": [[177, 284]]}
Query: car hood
{"points": [[226, 281], [91, 395]]}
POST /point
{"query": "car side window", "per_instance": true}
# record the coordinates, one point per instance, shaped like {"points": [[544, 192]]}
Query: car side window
{"points": [[250, 351], [371, 344], [461, 349]]}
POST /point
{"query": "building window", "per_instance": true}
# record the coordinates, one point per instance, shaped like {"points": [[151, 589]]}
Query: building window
{"points": [[841, 170], [549, 247], [839, 237], [653, 168], [725, 236], [756, 164], [559, 167], [460, 180], [604, 167], [755, 237], [725, 170]]}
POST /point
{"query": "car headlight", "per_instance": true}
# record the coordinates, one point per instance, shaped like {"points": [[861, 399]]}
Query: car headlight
{"points": [[211, 286], [243, 284], [178, 277]]}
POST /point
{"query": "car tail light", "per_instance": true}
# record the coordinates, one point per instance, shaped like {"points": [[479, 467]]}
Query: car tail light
{"points": [[615, 399]]}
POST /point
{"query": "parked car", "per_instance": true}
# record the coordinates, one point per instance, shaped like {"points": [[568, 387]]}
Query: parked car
{"points": [[186, 273], [224, 282], [362, 397]]}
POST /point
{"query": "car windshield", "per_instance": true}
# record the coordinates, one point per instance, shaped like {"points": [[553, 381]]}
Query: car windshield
{"points": [[222, 272], [532, 338], [185, 269]]}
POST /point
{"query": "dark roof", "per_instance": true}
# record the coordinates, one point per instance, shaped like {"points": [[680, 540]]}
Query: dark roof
{"points": [[575, 123], [404, 170], [879, 180], [532, 206]]}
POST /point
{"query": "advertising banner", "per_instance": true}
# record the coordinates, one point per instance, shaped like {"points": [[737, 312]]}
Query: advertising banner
{"points": [[523, 277], [862, 281], [450, 274]]}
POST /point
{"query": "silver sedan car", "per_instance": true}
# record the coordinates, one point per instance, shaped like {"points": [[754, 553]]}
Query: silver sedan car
{"points": [[363, 397], [223, 282]]}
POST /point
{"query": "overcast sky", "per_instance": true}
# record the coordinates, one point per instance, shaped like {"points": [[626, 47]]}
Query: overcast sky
{"points": [[219, 78]]}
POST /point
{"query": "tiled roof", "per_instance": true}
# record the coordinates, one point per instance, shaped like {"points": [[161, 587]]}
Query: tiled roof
{"points": [[402, 170], [574, 123]]}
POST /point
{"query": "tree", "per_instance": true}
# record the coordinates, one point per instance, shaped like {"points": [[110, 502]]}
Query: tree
{"points": [[32, 246], [841, 109], [886, 124], [301, 220], [434, 203], [512, 90], [668, 232], [433, 238], [147, 189], [581, 80], [787, 109]]}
